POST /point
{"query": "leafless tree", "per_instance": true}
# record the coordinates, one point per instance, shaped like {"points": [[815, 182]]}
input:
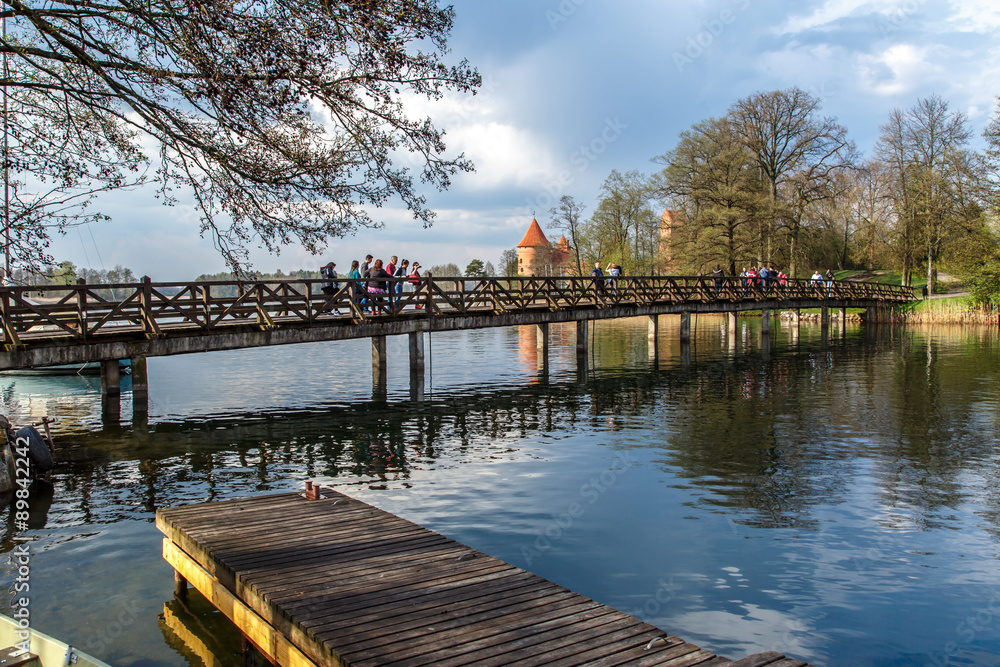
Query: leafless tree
{"points": [[926, 147], [285, 118], [791, 141], [566, 217]]}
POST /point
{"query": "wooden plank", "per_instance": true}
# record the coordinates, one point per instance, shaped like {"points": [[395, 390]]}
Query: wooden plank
{"points": [[454, 615], [634, 639], [490, 637], [541, 648], [431, 630], [376, 593], [392, 612], [758, 660]]}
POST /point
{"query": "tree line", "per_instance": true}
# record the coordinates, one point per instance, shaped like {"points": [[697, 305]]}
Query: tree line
{"points": [[775, 182]]}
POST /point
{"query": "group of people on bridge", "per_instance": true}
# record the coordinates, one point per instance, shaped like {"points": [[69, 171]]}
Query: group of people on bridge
{"points": [[371, 281]]}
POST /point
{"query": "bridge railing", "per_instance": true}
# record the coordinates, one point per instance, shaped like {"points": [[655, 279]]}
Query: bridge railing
{"points": [[82, 311]]}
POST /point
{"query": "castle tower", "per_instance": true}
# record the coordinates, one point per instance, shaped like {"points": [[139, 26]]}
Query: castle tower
{"points": [[533, 254], [669, 221]]}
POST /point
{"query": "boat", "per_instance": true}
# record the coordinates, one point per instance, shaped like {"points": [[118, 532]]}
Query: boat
{"points": [[39, 451], [42, 650], [86, 368]]}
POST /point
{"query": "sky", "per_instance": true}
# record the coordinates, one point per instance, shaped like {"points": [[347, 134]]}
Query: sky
{"points": [[573, 89]]}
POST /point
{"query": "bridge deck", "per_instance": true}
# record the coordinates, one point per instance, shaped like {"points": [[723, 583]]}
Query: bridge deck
{"points": [[335, 581], [82, 323]]}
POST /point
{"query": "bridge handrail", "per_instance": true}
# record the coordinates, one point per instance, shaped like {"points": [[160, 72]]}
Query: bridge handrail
{"points": [[83, 310]]}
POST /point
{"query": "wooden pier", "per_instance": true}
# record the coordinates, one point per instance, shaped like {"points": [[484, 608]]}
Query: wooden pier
{"points": [[330, 580]]}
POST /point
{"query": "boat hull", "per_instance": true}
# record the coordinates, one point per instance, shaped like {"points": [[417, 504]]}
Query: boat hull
{"points": [[51, 652]]}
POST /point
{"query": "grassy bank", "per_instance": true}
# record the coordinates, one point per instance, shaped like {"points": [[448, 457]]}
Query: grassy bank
{"points": [[950, 310]]}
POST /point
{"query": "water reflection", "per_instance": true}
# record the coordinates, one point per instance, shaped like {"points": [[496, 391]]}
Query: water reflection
{"points": [[772, 435], [874, 451]]}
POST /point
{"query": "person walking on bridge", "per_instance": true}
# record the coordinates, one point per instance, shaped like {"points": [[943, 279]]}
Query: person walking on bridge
{"points": [[720, 278], [598, 276], [817, 281], [377, 286]]}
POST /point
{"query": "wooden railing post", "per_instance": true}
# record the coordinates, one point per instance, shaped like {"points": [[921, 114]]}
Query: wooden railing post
{"points": [[462, 306], [81, 307], [8, 322], [206, 305], [149, 325], [263, 317], [428, 298]]}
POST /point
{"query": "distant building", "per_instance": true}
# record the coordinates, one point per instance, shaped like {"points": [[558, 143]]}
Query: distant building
{"points": [[537, 257]]}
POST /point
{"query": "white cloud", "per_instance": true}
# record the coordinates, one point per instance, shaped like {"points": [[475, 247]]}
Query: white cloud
{"points": [[504, 155], [982, 16], [896, 70], [831, 11]]}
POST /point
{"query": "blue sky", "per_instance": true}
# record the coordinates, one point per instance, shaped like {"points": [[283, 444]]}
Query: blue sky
{"points": [[575, 88]]}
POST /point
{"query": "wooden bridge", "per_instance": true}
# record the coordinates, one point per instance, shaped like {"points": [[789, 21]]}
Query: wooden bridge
{"points": [[78, 324]]}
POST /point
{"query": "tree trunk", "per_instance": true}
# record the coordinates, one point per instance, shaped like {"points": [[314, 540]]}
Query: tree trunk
{"points": [[793, 250]]}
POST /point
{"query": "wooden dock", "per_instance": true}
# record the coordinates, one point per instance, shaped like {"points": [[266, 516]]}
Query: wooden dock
{"points": [[334, 581]]}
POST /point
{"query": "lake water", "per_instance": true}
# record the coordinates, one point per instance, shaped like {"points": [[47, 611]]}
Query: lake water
{"points": [[836, 500]]}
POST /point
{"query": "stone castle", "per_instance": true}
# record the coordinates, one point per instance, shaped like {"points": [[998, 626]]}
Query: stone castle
{"points": [[537, 256]]}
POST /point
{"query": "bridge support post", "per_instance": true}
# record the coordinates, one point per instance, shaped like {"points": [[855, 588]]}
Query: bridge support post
{"points": [[110, 378], [765, 321], [824, 318], [416, 386], [796, 317], [685, 327], [379, 366], [111, 390], [582, 328], [542, 339], [416, 351], [417, 365], [140, 389], [731, 323]]}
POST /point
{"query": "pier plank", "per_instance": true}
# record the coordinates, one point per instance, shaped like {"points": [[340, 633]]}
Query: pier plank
{"points": [[335, 581]]}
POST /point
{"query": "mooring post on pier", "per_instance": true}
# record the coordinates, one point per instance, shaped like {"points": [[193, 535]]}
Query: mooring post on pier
{"points": [[765, 321], [582, 327], [685, 327]]}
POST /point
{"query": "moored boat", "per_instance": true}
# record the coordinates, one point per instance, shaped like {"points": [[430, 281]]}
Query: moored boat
{"points": [[88, 368], [38, 452], [42, 650]]}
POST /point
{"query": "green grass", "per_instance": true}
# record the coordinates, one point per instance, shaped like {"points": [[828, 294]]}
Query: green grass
{"points": [[948, 304]]}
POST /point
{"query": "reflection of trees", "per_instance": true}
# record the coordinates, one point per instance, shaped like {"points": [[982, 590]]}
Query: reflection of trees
{"points": [[771, 437]]}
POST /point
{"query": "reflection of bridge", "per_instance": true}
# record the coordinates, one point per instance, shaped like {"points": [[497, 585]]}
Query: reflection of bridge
{"points": [[82, 323]]}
